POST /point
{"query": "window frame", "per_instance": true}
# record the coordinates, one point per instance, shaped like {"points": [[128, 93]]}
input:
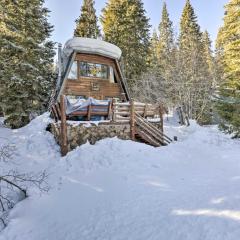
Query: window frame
{"points": [[93, 77]]}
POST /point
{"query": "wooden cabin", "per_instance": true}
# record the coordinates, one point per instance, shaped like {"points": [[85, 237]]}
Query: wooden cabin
{"points": [[91, 87], [91, 68]]}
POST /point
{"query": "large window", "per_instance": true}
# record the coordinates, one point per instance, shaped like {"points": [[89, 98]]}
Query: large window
{"points": [[73, 71], [111, 75], [94, 70]]}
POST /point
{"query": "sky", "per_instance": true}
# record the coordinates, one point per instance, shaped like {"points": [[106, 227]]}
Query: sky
{"points": [[64, 12]]}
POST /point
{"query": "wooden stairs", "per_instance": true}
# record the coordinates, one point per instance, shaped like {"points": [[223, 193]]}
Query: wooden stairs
{"points": [[146, 132]]}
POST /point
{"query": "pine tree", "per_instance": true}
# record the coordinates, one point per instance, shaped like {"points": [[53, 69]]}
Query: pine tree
{"points": [[87, 22], [166, 37], [219, 66], [126, 25], [166, 52], [9, 50], [209, 72], [229, 50], [27, 77], [192, 66], [153, 51], [208, 52]]}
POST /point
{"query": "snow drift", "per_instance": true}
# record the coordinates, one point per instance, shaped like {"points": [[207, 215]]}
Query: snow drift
{"points": [[126, 190]]}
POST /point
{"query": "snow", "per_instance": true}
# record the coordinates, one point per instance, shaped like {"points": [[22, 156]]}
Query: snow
{"points": [[86, 124], [125, 190], [92, 46], [81, 104]]}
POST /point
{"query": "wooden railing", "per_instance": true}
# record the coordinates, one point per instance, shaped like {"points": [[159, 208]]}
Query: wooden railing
{"points": [[58, 112], [136, 114], [147, 130], [133, 113], [122, 111]]}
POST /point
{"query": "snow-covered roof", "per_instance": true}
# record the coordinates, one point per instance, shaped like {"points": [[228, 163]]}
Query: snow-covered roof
{"points": [[89, 46], [92, 46]]}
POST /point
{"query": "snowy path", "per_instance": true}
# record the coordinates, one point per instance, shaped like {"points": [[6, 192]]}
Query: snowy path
{"points": [[120, 190]]}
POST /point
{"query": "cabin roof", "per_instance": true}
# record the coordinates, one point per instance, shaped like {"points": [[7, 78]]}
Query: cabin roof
{"points": [[92, 46]]}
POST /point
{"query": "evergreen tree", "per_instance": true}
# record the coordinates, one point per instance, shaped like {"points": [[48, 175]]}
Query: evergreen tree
{"points": [[87, 22], [153, 51], [208, 53], [126, 25], [229, 51], [166, 38], [26, 79], [192, 66], [209, 72], [166, 53], [219, 66]]}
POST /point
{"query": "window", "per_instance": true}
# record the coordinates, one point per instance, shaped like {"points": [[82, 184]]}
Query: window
{"points": [[93, 70], [73, 71], [111, 75]]}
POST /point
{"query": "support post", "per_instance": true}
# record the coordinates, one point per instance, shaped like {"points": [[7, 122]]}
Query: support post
{"points": [[180, 114], [54, 113], [64, 145], [110, 110], [89, 112], [132, 120], [114, 109], [58, 110], [145, 110], [161, 116], [161, 121]]}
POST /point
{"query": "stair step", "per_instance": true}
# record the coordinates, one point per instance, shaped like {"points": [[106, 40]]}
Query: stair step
{"points": [[147, 138]]}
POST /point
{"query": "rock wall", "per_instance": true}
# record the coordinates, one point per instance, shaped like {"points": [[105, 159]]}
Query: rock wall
{"points": [[79, 134]]}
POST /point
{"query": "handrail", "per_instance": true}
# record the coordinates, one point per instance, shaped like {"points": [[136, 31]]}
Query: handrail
{"points": [[153, 134], [153, 127]]}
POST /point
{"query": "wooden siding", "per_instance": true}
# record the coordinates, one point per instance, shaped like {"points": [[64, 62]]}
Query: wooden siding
{"points": [[84, 88], [95, 87]]}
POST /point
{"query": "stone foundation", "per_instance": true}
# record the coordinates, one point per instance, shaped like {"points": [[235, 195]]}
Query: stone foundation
{"points": [[78, 134]]}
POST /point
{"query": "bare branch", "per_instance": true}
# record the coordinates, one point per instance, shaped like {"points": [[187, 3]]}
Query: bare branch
{"points": [[3, 222]]}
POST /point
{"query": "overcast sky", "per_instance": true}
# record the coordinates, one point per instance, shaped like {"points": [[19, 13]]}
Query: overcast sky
{"points": [[64, 12]]}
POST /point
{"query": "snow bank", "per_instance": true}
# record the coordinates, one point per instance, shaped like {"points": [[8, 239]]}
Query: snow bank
{"points": [[92, 46], [127, 190]]}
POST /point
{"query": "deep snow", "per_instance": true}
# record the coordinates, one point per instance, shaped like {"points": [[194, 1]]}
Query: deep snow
{"points": [[122, 190], [94, 46]]}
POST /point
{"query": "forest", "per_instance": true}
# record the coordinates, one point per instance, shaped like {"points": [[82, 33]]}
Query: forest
{"points": [[135, 138], [179, 69]]}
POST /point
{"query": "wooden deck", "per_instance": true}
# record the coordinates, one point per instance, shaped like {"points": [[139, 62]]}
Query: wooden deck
{"points": [[133, 113]]}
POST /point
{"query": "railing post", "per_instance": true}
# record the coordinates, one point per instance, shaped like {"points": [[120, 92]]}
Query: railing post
{"points": [[161, 116], [64, 145], [110, 109], [145, 110], [132, 120], [161, 121], [89, 112], [114, 108], [54, 113]]}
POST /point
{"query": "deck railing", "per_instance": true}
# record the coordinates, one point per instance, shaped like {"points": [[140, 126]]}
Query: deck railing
{"points": [[122, 111], [117, 112]]}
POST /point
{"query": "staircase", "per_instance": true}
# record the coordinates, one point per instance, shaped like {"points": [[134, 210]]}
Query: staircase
{"points": [[146, 132]]}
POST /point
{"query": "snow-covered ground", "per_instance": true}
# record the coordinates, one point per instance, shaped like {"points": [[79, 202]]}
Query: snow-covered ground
{"points": [[122, 190]]}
